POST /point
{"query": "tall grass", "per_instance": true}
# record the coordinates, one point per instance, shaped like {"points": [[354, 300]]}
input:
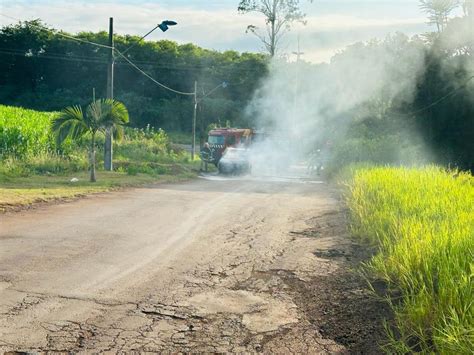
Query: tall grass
{"points": [[421, 222], [24, 132]]}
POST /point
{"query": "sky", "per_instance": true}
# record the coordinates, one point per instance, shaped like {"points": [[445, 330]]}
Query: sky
{"points": [[215, 24]]}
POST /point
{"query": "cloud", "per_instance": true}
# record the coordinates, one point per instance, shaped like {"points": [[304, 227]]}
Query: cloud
{"points": [[345, 22], [211, 27]]}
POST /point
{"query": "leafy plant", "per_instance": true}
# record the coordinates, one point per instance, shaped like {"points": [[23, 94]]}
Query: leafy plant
{"points": [[99, 115]]}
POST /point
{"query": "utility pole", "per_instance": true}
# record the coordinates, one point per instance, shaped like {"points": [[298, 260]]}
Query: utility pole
{"points": [[108, 149], [193, 149], [297, 79]]}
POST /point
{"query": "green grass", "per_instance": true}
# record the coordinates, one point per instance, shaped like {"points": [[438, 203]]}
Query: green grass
{"points": [[24, 191], [421, 222]]}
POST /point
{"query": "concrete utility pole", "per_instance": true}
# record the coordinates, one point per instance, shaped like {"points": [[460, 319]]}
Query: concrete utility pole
{"points": [[193, 149], [108, 149], [297, 79]]}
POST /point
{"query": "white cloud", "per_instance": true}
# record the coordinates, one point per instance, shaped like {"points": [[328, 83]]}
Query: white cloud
{"points": [[344, 22]]}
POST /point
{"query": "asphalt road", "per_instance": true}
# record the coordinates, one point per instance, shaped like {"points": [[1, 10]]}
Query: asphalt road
{"points": [[197, 266]]}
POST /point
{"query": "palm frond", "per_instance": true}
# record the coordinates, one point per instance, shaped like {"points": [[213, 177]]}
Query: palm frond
{"points": [[69, 123], [107, 113], [95, 113], [115, 113], [119, 113], [118, 132]]}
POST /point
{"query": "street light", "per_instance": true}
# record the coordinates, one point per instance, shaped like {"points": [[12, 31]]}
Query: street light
{"points": [[164, 26], [223, 85], [108, 146]]}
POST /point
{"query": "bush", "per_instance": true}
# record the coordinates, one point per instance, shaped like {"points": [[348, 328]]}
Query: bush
{"points": [[421, 221], [147, 145]]}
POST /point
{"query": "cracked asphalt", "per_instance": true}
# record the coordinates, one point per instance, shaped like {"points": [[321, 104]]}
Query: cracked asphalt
{"points": [[224, 265]]}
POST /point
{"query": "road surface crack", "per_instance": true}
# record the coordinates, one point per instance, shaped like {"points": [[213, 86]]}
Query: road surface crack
{"points": [[45, 295]]}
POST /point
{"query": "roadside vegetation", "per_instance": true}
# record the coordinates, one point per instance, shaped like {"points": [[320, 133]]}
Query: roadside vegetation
{"points": [[98, 117], [35, 168], [420, 223]]}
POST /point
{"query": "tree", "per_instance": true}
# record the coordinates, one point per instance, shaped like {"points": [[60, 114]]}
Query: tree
{"points": [[438, 11], [468, 7], [279, 16], [99, 115]]}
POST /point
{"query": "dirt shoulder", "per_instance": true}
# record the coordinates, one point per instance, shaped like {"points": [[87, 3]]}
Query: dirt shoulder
{"points": [[203, 266]]}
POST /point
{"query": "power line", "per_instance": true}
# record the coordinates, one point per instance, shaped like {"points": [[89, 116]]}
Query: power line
{"points": [[99, 60], [59, 33], [434, 103], [152, 79], [55, 57], [42, 52], [192, 67]]}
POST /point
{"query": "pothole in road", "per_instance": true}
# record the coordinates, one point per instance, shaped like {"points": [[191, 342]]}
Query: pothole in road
{"points": [[260, 312], [27, 302], [352, 253], [262, 281], [331, 253], [308, 233]]}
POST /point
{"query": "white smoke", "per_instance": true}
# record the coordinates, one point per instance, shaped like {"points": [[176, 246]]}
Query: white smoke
{"points": [[303, 105]]}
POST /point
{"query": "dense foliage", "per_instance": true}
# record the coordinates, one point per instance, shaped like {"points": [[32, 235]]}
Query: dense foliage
{"points": [[421, 222]]}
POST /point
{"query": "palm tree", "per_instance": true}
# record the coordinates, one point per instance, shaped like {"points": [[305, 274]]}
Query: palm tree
{"points": [[99, 116]]}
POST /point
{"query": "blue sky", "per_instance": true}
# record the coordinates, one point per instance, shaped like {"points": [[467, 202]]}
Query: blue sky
{"points": [[215, 24]]}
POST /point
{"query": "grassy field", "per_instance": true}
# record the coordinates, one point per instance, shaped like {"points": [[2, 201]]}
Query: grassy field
{"points": [[421, 224], [34, 169]]}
